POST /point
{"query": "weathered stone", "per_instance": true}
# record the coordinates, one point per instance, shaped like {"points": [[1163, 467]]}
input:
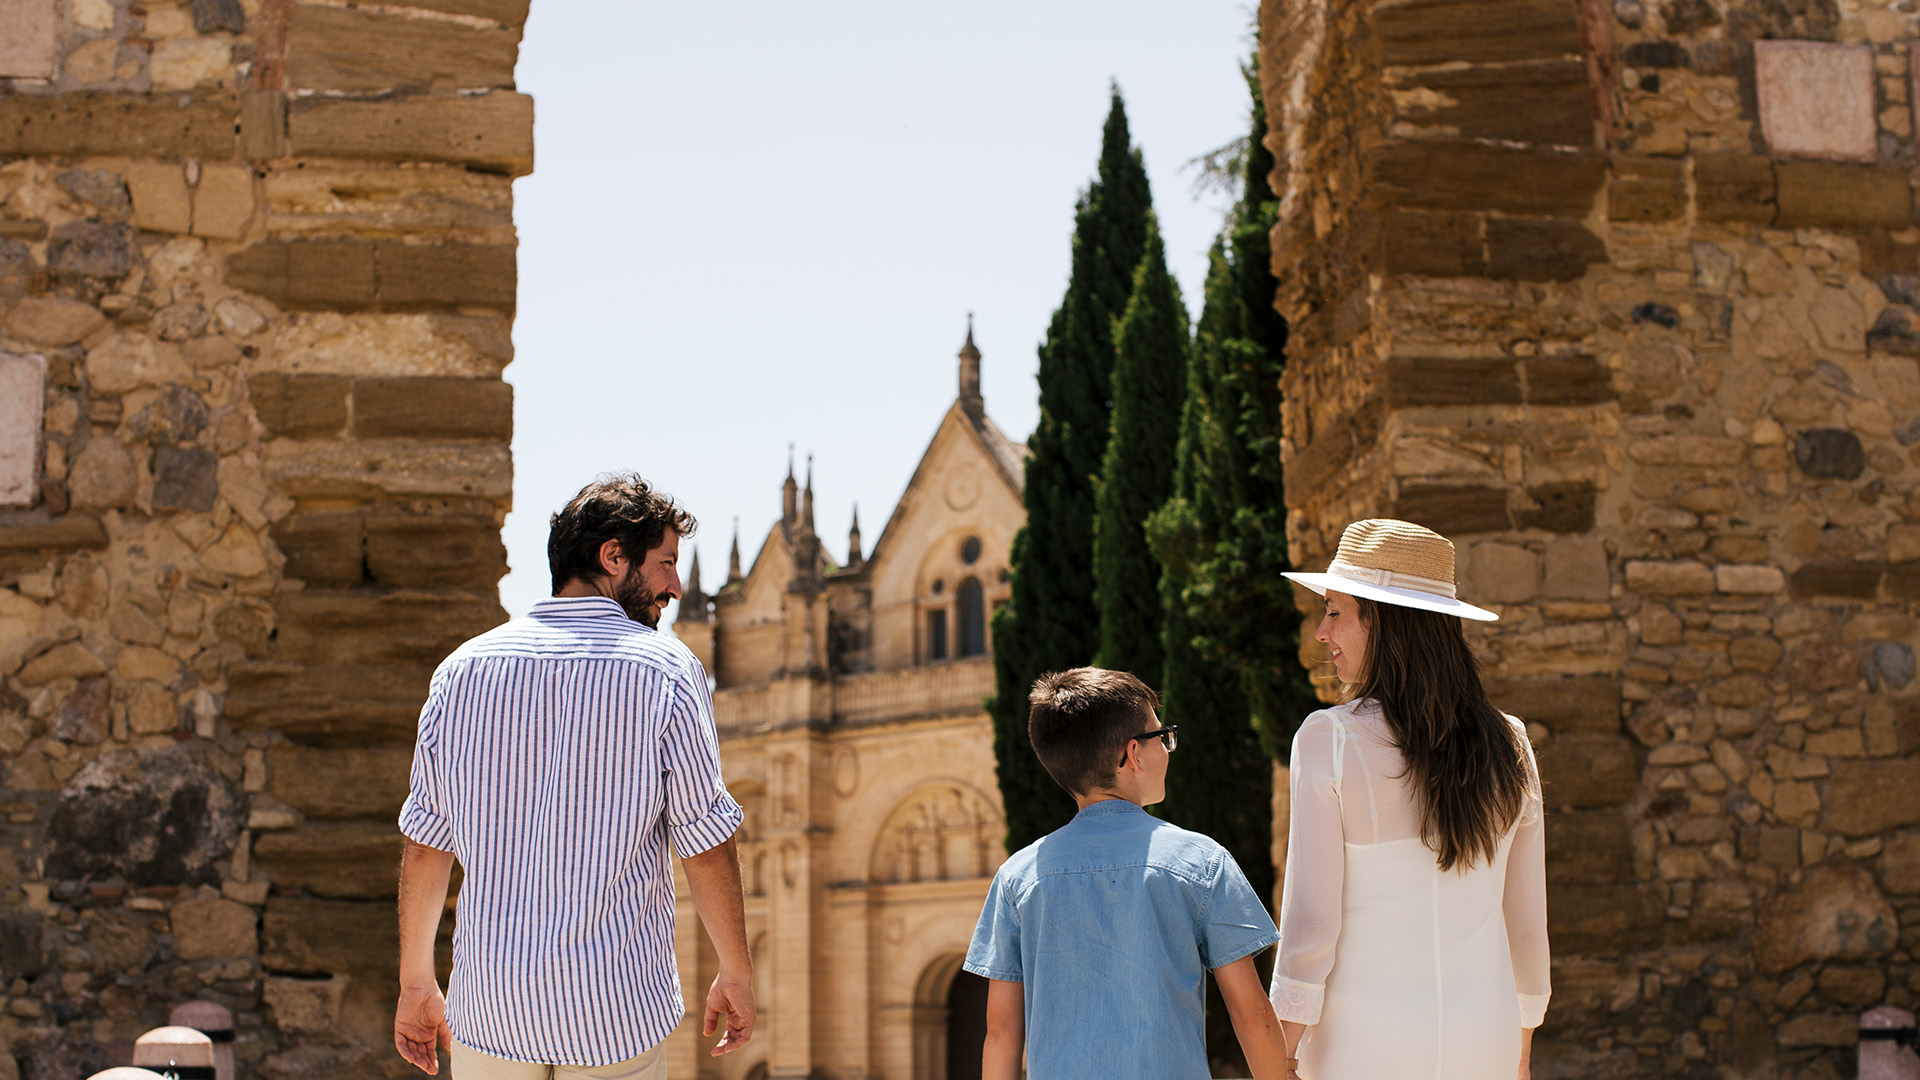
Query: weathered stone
{"points": [[1859, 581], [154, 816], [120, 940], [237, 552], [71, 531], [1541, 249], [103, 188], [1504, 574], [111, 124], [1733, 187], [1452, 380], [1576, 569], [1830, 453], [434, 551], [1819, 193], [1839, 322], [1604, 919], [366, 470], [325, 550], [1453, 510], [1588, 771], [1819, 666], [1893, 663], [127, 361], [1434, 244], [1436, 31], [26, 944], [1567, 380], [343, 783], [178, 322], [1575, 703], [209, 929], [328, 706], [416, 277], [1754, 654], [1855, 987], [1816, 1030], [1900, 864], [23, 397], [305, 274], [1751, 579], [237, 318], [300, 406], [161, 202], [178, 415], [1647, 189], [1682, 578], [218, 16], [48, 320], [32, 44], [1558, 508], [1445, 175], [305, 1005], [89, 249], [363, 626], [302, 936], [433, 408], [1868, 797], [70, 661], [1816, 99], [492, 130], [223, 201], [346, 860], [1589, 847], [184, 479], [1834, 914], [83, 715], [347, 49]]}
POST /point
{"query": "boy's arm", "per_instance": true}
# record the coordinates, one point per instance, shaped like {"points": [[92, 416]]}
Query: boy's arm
{"points": [[1007, 1029], [1253, 1019]]}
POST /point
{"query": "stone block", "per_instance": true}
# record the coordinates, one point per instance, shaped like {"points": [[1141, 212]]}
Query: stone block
{"points": [[23, 398], [1819, 193], [355, 782], [31, 45], [223, 200], [492, 130], [263, 125], [1900, 864], [1844, 580], [1816, 99], [371, 626], [1868, 797], [505, 12], [1414, 381], [1447, 175], [433, 408], [1678, 578], [128, 361], [440, 551], [1903, 543], [1647, 189], [300, 406], [348, 49], [1829, 454], [1476, 31], [156, 815], [1453, 509], [219, 16], [366, 470], [1542, 103], [108, 124], [237, 552], [185, 63], [1566, 704], [102, 476], [95, 251], [1567, 380], [72, 531], [1748, 579], [211, 929], [1903, 581], [323, 550], [328, 706], [1541, 249], [1834, 914], [307, 274], [425, 277], [161, 201], [184, 479], [49, 320], [345, 860], [1576, 569], [304, 936], [1432, 244], [1733, 187], [1589, 847], [1503, 573], [1558, 508], [1605, 920], [1818, 1029], [305, 1005], [1588, 771]]}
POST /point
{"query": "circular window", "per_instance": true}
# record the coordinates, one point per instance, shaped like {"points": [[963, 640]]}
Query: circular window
{"points": [[970, 551], [939, 586]]}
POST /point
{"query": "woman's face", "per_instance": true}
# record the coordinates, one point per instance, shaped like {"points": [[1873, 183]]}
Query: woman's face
{"points": [[1344, 635]]}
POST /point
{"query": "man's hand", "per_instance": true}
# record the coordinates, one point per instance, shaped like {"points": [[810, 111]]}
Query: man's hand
{"points": [[730, 1011], [420, 1027]]}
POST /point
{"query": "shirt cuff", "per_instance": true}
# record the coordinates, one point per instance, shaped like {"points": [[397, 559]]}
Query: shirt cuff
{"points": [[1533, 1009], [423, 826], [985, 972], [711, 828], [1297, 1001], [1257, 945]]}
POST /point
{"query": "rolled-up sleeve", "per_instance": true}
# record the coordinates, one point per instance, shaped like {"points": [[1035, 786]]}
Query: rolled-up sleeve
{"points": [[423, 817], [1316, 867], [699, 811]]}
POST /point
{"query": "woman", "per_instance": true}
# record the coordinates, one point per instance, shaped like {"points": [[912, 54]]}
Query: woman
{"points": [[1414, 918]]}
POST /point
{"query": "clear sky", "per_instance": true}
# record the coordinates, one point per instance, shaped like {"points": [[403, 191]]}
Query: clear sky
{"points": [[758, 223]]}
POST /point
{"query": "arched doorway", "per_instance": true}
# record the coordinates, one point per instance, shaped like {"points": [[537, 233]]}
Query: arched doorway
{"points": [[949, 1021], [966, 1025]]}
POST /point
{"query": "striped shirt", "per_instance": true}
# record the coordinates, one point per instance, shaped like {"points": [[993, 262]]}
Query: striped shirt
{"points": [[557, 756]]}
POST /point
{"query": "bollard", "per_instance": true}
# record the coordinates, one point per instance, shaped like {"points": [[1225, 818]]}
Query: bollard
{"points": [[1887, 1045], [216, 1023], [179, 1052]]}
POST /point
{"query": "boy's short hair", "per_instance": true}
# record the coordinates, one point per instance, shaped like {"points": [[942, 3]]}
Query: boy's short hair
{"points": [[1080, 721]]}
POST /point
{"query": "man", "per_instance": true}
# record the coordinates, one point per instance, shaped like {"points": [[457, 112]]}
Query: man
{"points": [[557, 757]]}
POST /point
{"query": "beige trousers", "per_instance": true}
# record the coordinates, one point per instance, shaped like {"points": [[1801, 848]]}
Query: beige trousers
{"points": [[471, 1064]]}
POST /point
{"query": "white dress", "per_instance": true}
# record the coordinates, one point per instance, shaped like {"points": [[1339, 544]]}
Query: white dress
{"points": [[1401, 969]]}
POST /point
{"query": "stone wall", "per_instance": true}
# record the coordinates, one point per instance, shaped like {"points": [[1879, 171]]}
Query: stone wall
{"points": [[256, 287], [1621, 297]]}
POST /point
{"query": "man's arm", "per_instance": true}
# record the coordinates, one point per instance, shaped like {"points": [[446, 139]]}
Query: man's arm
{"points": [[713, 877], [1006, 1030], [420, 1021], [1253, 1020]]}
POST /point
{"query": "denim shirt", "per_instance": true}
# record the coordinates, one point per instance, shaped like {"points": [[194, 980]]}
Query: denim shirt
{"points": [[1111, 922]]}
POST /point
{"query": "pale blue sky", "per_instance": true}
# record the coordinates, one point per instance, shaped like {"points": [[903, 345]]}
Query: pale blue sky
{"points": [[755, 223]]}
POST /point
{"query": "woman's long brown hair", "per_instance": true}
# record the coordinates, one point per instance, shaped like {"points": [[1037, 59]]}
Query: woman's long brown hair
{"points": [[1463, 758]]}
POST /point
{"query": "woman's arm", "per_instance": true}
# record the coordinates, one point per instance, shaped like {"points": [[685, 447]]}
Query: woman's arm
{"points": [[1524, 905]]}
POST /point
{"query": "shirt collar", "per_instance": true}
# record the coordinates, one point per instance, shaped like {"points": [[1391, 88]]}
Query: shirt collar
{"points": [[1110, 806], [580, 607]]}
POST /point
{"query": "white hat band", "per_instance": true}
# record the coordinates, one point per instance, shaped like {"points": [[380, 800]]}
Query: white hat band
{"points": [[1391, 579]]}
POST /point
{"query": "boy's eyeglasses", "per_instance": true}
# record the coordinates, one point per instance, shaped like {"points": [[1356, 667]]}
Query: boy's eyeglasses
{"points": [[1169, 737]]}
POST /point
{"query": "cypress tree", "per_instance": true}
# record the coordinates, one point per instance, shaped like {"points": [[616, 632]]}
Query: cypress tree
{"points": [[1136, 476], [1050, 621]]}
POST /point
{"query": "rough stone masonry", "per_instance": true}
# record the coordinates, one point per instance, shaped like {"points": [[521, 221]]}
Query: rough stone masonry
{"points": [[257, 279], [1621, 296]]}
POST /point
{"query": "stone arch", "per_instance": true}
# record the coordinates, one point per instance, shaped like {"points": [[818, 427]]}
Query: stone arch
{"points": [[931, 1016], [942, 831]]}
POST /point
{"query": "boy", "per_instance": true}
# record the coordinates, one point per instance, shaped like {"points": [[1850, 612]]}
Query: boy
{"points": [[1096, 937]]}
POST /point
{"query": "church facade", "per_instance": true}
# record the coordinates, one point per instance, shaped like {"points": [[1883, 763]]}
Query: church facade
{"points": [[849, 705]]}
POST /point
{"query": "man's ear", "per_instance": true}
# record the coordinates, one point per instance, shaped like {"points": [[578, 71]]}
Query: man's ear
{"points": [[612, 559]]}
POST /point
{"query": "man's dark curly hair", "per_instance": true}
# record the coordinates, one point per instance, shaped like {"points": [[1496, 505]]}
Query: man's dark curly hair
{"points": [[617, 506]]}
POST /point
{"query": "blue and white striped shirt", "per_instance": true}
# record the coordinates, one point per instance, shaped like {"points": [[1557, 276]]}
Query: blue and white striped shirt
{"points": [[557, 755]]}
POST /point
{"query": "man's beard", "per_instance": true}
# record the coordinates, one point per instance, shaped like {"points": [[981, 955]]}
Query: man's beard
{"points": [[636, 599]]}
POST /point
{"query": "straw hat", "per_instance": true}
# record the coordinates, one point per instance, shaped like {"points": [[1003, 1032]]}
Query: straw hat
{"points": [[181, 1052], [1395, 562]]}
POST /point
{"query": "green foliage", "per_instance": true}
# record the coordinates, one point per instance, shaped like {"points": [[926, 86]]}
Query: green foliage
{"points": [[1136, 476], [1050, 621]]}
